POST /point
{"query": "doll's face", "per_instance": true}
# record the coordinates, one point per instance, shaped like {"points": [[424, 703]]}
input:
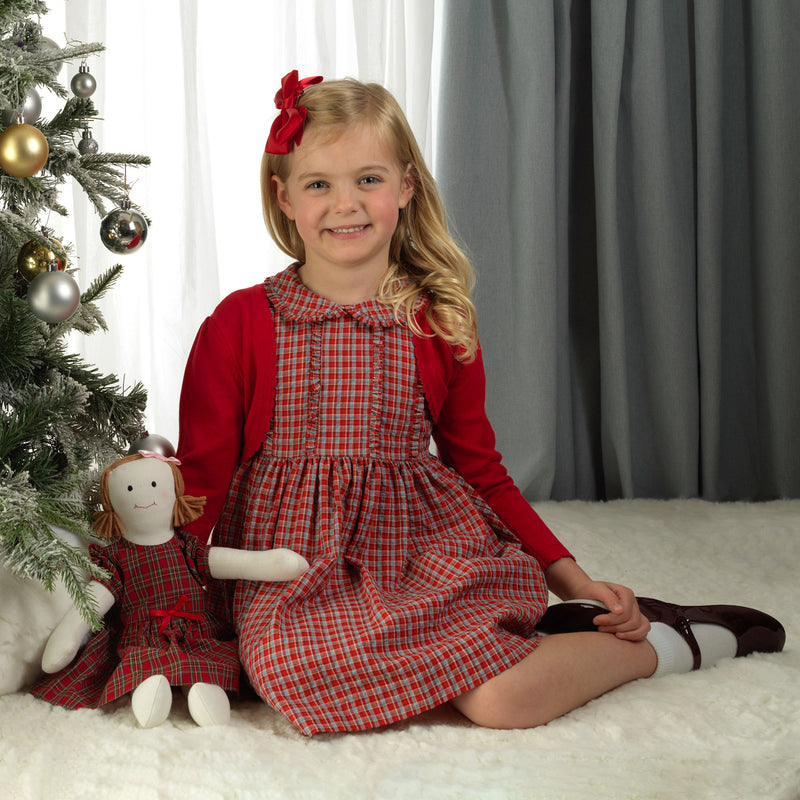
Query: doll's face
{"points": [[142, 493]]}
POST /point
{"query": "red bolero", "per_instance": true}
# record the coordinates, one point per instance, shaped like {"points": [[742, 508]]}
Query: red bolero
{"points": [[227, 401]]}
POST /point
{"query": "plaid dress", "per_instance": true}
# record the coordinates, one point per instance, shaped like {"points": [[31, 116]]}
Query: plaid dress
{"points": [[416, 592], [158, 625]]}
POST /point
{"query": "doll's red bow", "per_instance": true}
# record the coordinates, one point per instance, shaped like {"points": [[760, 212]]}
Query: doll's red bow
{"points": [[287, 129], [176, 611]]}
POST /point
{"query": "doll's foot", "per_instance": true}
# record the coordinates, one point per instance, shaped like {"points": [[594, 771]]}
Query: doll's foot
{"points": [[151, 701], [208, 704]]}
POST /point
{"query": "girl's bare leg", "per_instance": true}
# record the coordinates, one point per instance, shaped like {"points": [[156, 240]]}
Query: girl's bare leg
{"points": [[565, 671]]}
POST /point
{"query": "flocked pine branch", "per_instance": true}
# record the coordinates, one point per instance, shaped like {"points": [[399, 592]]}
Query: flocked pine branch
{"points": [[16, 12], [89, 317], [61, 420], [30, 547], [22, 68]]}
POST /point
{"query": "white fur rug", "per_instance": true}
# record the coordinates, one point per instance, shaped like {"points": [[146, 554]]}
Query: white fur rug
{"points": [[732, 731]]}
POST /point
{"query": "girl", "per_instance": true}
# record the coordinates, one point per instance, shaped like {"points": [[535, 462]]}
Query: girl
{"points": [[306, 412]]}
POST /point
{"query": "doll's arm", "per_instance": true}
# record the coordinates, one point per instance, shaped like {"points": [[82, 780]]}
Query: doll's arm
{"points": [[68, 635], [256, 565]]}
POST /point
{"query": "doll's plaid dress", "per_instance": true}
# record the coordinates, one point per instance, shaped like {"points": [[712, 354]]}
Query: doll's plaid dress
{"points": [[159, 625], [416, 591]]}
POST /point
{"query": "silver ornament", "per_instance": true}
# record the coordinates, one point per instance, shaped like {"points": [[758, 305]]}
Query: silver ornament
{"points": [[83, 83], [30, 111], [123, 230], [53, 296], [154, 443], [88, 145], [45, 44]]}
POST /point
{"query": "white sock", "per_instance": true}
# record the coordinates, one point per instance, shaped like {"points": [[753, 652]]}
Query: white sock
{"points": [[675, 655]]}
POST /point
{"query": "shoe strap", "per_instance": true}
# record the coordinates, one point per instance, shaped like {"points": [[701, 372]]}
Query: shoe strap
{"points": [[683, 626]]}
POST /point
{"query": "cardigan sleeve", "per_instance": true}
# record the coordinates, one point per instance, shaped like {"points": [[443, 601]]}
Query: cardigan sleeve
{"points": [[466, 441], [226, 399], [211, 421]]}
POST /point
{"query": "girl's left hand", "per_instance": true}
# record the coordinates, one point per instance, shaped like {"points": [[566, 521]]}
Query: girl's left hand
{"points": [[623, 619]]}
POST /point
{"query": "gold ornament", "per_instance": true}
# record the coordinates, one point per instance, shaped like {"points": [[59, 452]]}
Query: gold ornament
{"points": [[23, 150], [35, 258]]}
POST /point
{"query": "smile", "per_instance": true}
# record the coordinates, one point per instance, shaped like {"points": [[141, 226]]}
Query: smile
{"points": [[354, 229], [150, 506]]}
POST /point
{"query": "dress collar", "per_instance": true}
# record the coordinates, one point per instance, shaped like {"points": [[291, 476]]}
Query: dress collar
{"points": [[295, 301]]}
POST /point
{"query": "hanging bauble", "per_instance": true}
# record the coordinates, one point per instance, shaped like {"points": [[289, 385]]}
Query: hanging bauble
{"points": [[54, 296], [31, 106], [123, 230], [153, 443], [88, 145], [23, 150], [31, 109], [83, 83], [31, 40], [46, 44], [34, 258]]}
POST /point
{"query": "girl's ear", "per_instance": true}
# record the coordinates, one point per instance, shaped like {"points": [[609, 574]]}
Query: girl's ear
{"points": [[408, 186], [282, 196]]}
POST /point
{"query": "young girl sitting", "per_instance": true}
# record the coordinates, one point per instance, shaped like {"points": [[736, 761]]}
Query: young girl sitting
{"points": [[307, 409]]}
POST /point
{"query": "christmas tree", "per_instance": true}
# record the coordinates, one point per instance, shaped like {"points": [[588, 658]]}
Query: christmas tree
{"points": [[61, 420]]}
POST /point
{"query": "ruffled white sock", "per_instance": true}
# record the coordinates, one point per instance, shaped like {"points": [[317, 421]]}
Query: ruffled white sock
{"points": [[675, 655]]}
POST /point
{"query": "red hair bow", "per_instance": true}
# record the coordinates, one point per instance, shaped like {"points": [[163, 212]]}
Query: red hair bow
{"points": [[287, 129]]}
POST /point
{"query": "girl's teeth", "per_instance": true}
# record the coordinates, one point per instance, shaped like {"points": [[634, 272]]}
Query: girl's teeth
{"points": [[349, 230]]}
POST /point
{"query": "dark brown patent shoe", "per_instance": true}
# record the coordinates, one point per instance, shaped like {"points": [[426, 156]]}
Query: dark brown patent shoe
{"points": [[755, 631], [573, 617]]}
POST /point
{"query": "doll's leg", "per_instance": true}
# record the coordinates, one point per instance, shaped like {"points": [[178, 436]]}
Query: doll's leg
{"points": [[208, 704], [151, 701], [564, 672]]}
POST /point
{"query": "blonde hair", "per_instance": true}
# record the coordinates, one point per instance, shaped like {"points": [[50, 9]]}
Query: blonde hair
{"points": [[424, 259], [106, 523]]}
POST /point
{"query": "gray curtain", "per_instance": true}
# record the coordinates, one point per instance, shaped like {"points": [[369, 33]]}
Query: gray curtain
{"points": [[626, 178]]}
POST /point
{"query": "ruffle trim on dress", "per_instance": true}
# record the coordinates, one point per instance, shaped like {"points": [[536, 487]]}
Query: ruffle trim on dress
{"points": [[376, 404]]}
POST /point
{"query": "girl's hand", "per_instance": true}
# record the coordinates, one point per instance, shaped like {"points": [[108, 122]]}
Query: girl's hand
{"points": [[623, 619], [569, 582]]}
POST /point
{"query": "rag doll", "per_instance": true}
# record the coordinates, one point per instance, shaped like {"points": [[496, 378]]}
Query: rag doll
{"points": [[159, 632]]}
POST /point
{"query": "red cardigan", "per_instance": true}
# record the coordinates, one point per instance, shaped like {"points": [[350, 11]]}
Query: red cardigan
{"points": [[227, 401]]}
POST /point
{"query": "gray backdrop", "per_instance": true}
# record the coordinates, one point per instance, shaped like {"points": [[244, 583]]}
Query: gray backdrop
{"points": [[626, 178]]}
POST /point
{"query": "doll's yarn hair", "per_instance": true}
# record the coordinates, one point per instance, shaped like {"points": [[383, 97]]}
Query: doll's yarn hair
{"points": [[106, 523], [424, 257]]}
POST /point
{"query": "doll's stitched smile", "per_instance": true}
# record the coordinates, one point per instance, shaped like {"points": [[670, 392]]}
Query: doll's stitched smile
{"points": [[150, 506]]}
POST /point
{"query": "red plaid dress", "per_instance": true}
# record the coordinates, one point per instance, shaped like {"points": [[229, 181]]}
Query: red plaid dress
{"points": [[158, 625], [416, 592]]}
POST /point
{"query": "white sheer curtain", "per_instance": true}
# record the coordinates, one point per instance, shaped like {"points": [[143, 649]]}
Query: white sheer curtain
{"points": [[190, 83]]}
